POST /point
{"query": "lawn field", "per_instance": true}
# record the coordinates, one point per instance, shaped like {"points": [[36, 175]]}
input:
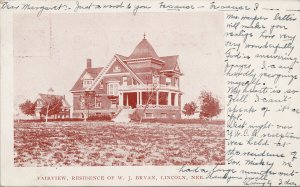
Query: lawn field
{"points": [[111, 144]]}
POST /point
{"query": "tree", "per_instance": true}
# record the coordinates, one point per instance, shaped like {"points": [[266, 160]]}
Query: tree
{"points": [[150, 94], [189, 109], [209, 105], [51, 106], [28, 107], [150, 98], [88, 97]]}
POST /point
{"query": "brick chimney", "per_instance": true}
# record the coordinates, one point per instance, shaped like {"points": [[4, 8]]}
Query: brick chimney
{"points": [[88, 63]]}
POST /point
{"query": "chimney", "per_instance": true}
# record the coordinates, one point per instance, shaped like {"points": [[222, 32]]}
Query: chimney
{"points": [[88, 63]]}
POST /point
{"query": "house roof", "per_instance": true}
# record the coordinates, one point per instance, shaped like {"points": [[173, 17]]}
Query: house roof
{"points": [[130, 68], [143, 50], [170, 63], [46, 97], [121, 56], [93, 72]]}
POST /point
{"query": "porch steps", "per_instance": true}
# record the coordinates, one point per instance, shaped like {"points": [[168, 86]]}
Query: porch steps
{"points": [[123, 115]]}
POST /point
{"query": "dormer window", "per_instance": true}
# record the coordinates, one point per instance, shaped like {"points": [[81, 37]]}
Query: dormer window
{"points": [[117, 69], [87, 80]]}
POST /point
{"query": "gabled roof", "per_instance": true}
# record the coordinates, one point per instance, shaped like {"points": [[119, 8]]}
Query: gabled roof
{"points": [[46, 97], [93, 72], [129, 68], [171, 62], [121, 56], [143, 50]]}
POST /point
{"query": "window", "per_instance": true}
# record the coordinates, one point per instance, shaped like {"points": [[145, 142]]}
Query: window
{"points": [[168, 81], [98, 104], [112, 89], [87, 82], [155, 80], [176, 82], [148, 115], [124, 80], [117, 69], [101, 85], [133, 81], [164, 115], [82, 103]]}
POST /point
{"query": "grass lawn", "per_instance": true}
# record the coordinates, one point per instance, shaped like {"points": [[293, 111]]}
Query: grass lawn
{"points": [[110, 144]]}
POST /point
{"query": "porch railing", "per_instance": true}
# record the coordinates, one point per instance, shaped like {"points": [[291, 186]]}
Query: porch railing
{"points": [[148, 87], [158, 107]]}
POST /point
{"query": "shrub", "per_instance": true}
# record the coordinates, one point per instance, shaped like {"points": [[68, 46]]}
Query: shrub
{"points": [[101, 117], [210, 105], [183, 121], [49, 120], [135, 116]]}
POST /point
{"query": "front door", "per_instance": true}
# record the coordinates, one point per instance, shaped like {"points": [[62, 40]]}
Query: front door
{"points": [[130, 99]]}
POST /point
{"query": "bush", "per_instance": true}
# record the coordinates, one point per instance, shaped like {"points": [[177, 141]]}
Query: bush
{"points": [[101, 117], [135, 116], [49, 120], [183, 121]]}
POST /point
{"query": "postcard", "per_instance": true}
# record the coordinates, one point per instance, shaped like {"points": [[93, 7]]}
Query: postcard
{"points": [[160, 93]]}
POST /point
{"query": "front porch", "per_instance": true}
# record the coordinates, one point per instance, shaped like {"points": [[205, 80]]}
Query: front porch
{"points": [[153, 100]]}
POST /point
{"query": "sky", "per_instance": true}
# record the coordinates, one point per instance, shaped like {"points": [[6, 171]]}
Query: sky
{"points": [[51, 50]]}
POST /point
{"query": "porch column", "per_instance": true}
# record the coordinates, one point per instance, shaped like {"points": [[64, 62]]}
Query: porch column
{"points": [[157, 98], [176, 99], [169, 98], [141, 101], [127, 100], [121, 99], [137, 98]]}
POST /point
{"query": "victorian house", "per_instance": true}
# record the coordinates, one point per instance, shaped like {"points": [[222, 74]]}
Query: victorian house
{"points": [[142, 82]]}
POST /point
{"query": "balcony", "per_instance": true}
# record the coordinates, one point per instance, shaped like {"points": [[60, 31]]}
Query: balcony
{"points": [[148, 87]]}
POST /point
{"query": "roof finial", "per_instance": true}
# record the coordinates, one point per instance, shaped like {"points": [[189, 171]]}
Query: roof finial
{"points": [[50, 91], [144, 35]]}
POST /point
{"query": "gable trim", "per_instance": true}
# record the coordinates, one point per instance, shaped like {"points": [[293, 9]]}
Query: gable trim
{"points": [[179, 66], [107, 67], [101, 74], [128, 69], [86, 76]]}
